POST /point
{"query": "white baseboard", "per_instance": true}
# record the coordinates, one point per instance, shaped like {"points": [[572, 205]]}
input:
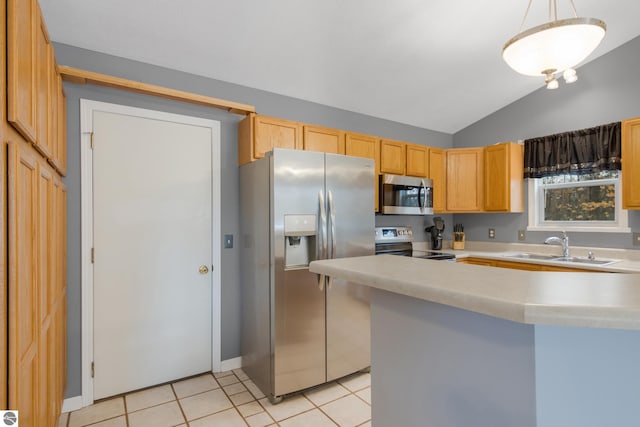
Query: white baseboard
{"points": [[229, 364], [72, 404]]}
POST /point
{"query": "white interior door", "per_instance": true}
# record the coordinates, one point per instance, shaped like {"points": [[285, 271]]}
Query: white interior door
{"points": [[152, 235]]}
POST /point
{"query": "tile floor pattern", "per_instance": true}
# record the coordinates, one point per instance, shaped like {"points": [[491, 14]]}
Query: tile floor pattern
{"points": [[230, 399]]}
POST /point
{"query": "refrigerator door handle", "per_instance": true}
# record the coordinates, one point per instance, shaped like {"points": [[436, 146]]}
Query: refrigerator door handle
{"points": [[322, 237], [332, 218]]}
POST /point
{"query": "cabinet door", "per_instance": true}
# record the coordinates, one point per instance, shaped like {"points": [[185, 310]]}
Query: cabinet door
{"points": [[393, 156], [23, 270], [61, 142], [631, 164], [44, 70], [360, 145], [270, 133], [465, 180], [417, 160], [477, 261], [503, 178], [21, 59], [325, 140], [438, 174]]}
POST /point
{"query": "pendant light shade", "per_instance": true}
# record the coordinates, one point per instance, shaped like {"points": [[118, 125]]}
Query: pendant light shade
{"points": [[555, 46]]}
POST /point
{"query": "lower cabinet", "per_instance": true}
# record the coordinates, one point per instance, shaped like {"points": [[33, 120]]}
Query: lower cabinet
{"points": [[518, 265], [36, 218]]}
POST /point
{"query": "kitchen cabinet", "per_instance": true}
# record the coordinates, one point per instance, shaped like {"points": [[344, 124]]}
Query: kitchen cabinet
{"points": [[417, 160], [259, 134], [464, 186], [438, 174], [519, 265], [631, 163], [33, 296], [503, 178], [360, 145], [45, 68], [21, 66], [393, 157], [325, 140]]}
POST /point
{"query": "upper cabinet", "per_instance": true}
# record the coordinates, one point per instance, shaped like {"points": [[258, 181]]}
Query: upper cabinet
{"points": [[260, 134], [393, 157], [326, 140], [503, 178], [45, 68], [438, 174], [631, 163], [464, 186], [360, 145], [21, 67], [417, 160]]}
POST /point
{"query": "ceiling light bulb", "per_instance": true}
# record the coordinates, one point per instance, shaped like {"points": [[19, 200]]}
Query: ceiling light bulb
{"points": [[552, 83], [570, 75]]}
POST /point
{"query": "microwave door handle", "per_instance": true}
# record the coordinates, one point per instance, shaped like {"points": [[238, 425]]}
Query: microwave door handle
{"points": [[322, 236], [423, 204]]}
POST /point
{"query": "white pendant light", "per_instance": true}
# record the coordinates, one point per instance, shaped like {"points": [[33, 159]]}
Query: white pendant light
{"points": [[555, 46]]}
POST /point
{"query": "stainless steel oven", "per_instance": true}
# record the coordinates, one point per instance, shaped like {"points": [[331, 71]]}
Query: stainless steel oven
{"points": [[406, 195], [398, 240]]}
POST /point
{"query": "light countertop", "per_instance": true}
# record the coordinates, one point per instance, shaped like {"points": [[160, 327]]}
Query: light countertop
{"points": [[600, 300]]}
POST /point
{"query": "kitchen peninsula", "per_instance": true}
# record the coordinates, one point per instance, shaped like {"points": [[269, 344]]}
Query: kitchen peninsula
{"points": [[461, 345]]}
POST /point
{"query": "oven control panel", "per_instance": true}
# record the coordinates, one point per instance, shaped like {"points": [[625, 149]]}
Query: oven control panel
{"points": [[393, 234]]}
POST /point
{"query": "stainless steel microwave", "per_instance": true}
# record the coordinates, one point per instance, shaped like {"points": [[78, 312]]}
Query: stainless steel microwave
{"points": [[405, 195]]}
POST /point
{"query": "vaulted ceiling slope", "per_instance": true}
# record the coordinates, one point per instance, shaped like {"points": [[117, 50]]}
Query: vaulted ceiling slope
{"points": [[432, 64]]}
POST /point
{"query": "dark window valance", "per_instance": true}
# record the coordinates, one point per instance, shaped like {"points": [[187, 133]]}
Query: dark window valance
{"points": [[581, 151]]}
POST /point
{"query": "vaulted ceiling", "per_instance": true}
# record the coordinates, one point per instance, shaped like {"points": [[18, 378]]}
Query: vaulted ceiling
{"points": [[431, 64]]}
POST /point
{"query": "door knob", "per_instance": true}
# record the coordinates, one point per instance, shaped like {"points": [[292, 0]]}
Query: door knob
{"points": [[203, 269]]}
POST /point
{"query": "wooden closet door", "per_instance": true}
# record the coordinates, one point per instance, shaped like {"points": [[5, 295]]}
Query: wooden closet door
{"points": [[23, 279]]}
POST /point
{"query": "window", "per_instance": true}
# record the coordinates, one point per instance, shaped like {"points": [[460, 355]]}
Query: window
{"points": [[577, 202]]}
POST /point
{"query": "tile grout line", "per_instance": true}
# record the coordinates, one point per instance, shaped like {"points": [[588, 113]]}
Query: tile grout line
{"points": [[186, 421]]}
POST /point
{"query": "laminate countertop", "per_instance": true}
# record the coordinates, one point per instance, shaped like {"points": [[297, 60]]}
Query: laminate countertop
{"points": [[598, 300]]}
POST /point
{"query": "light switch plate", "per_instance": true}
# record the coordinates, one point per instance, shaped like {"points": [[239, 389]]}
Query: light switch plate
{"points": [[492, 233], [228, 241], [636, 239], [522, 235]]}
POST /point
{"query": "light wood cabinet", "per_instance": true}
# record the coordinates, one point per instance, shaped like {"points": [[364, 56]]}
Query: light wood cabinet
{"points": [[464, 186], [259, 134], [438, 174], [21, 66], [503, 178], [44, 70], [360, 145], [393, 157], [519, 265], [326, 140], [22, 169], [417, 160], [631, 163], [33, 303]]}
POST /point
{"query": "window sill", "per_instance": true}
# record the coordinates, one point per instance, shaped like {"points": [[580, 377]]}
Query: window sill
{"points": [[581, 229]]}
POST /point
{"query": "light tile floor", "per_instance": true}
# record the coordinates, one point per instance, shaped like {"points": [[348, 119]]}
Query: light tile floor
{"points": [[230, 399]]}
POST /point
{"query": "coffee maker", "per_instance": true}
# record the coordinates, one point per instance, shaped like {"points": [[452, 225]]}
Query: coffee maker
{"points": [[436, 233]]}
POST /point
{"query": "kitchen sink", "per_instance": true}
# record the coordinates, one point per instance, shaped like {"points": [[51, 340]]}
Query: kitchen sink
{"points": [[585, 260], [531, 256], [572, 259]]}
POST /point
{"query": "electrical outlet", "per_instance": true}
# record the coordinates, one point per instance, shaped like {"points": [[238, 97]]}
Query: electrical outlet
{"points": [[492, 233], [522, 235], [636, 239], [228, 241]]}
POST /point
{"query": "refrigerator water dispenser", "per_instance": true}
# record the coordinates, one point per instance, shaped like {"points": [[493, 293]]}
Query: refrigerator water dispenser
{"points": [[299, 240]]}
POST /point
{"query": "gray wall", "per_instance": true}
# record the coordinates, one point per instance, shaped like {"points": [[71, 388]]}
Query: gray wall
{"points": [[608, 90], [266, 103]]}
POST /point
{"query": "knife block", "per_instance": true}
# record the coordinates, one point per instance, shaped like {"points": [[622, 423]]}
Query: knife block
{"points": [[458, 240]]}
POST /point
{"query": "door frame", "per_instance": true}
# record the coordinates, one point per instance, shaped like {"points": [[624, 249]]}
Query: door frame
{"points": [[87, 108]]}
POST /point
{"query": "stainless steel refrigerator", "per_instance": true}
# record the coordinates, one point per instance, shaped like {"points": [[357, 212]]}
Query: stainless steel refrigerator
{"points": [[299, 329]]}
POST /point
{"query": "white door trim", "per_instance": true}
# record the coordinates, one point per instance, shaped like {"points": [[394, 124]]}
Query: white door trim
{"points": [[87, 108]]}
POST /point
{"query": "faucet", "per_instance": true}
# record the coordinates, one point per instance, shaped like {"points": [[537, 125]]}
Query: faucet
{"points": [[564, 241]]}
